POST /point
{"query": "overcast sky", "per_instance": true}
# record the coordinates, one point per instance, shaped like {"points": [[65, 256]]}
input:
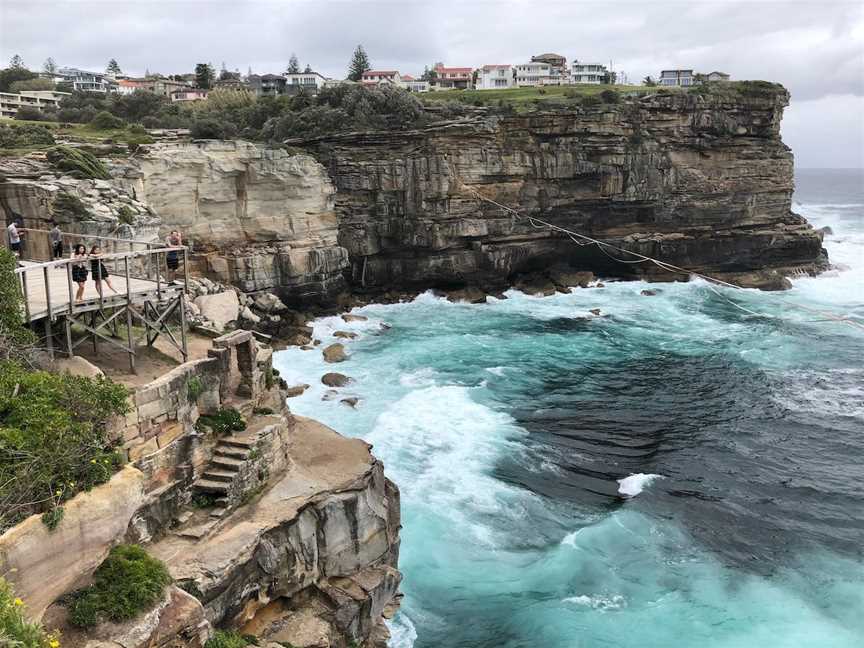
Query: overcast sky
{"points": [[816, 49]]}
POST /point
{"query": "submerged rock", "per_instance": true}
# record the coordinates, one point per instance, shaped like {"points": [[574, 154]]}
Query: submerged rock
{"points": [[334, 379]]}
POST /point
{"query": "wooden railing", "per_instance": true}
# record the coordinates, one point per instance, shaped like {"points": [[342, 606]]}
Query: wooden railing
{"points": [[148, 265]]}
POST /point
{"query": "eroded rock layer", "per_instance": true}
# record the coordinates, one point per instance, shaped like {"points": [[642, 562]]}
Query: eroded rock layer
{"points": [[259, 218], [703, 183]]}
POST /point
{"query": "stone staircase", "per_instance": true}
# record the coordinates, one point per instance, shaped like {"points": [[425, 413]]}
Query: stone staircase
{"points": [[221, 477]]}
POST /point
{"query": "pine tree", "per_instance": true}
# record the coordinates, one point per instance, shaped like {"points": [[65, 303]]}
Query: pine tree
{"points": [[49, 66], [16, 63], [359, 64], [293, 64], [308, 69], [113, 68], [204, 75]]}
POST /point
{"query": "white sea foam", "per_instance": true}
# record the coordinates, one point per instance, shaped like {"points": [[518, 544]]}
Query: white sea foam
{"points": [[634, 484], [423, 377], [613, 602], [496, 371], [403, 634]]}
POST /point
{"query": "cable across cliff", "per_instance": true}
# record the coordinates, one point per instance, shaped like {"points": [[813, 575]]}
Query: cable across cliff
{"points": [[605, 247]]}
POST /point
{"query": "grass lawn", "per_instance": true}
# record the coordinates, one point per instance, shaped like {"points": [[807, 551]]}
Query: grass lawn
{"points": [[528, 95]]}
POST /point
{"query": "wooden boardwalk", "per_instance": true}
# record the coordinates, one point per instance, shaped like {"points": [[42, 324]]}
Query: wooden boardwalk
{"points": [[139, 290], [142, 297]]}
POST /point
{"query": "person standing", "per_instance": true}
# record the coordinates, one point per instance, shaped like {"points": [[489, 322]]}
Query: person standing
{"points": [[56, 238], [79, 269], [14, 237], [172, 259], [99, 271]]}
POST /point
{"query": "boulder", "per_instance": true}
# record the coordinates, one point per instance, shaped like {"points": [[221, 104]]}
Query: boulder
{"points": [[334, 379], [471, 294], [77, 366], [220, 308], [249, 316], [648, 293], [269, 303], [296, 390], [347, 335], [596, 311], [348, 317], [351, 401], [335, 353]]}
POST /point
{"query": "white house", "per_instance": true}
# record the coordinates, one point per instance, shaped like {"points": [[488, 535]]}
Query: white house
{"points": [[304, 81], [374, 77], [592, 73], [411, 84], [717, 76], [534, 74], [86, 81], [491, 77]]}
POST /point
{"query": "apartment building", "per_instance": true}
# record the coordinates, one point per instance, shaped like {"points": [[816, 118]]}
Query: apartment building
{"points": [[85, 81], [495, 77], [267, 85], [677, 78], [590, 73], [534, 74], [10, 102]]}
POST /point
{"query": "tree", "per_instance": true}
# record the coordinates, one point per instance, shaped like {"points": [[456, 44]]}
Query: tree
{"points": [[649, 81], [359, 64], [17, 63], [113, 68], [307, 69], [49, 66], [429, 75], [293, 64], [32, 84], [12, 74], [204, 75], [609, 78]]}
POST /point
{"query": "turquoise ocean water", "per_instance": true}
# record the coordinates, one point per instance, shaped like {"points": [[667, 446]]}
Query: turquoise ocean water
{"points": [[676, 472]]}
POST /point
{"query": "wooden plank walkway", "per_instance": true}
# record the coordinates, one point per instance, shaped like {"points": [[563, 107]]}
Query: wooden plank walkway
{"points": [[58, 287]]}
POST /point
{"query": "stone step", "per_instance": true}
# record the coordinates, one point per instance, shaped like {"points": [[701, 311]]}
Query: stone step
{"points": [[214, 474], [211, 486], [231, 452], [218, 512], [222, 501], [227, 463], [236, 443]]}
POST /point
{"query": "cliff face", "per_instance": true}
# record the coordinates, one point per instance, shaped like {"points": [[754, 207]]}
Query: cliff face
{"points": [[259, 218], [701, 183]]}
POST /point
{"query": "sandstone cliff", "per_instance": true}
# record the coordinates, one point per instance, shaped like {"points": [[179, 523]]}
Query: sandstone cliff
{"points": [[259, 218], [704, 183]]}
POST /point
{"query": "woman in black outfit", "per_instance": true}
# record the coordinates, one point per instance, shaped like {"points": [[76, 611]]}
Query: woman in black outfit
{"points": [[99, 271], [79, 270]]}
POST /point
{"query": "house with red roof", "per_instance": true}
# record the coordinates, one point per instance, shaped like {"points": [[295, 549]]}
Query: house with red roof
{"points": [[376, 77], [453, 78]]}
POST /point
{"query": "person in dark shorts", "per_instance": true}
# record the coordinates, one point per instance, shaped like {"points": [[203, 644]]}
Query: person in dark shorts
{"points": [[56, 238], [99, 271], [79, 269], [14, 237], [172, 259]]}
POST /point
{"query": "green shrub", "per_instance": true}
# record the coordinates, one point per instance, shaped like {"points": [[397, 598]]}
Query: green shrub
{"points": [[610, 97], [22, 135], [16, 341], [224, 421], [208, 129], [29, 113], [16, 631], [77, 163], [129, 581], [52, 518], [53, 439], [226, 639], [125, 215], [194, 388], [136, 129], [591, 100], [104, 120]]}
